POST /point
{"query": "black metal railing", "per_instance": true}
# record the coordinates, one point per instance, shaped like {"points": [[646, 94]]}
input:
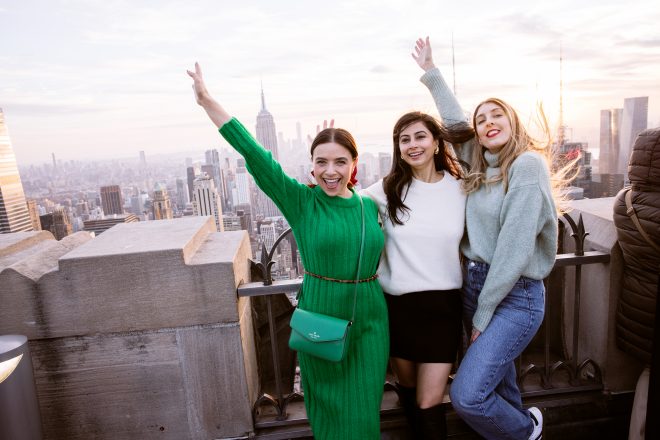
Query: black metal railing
{"points": [[556, 370], [546, 367]]}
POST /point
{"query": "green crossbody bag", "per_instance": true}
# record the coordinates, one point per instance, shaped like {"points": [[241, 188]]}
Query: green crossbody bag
{"points": [[324, 336]]}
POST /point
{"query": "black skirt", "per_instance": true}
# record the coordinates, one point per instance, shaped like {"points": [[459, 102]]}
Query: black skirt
{"points": [[425, 327]]}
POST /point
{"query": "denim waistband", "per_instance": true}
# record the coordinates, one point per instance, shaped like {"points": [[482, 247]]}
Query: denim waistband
{"points": [[476, 265]]}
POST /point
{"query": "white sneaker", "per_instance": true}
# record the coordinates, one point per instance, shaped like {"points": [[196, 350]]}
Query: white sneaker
{"points": [[537, 419]]}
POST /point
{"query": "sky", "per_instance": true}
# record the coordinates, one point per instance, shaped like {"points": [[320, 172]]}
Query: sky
{"points": [[90, 79]]}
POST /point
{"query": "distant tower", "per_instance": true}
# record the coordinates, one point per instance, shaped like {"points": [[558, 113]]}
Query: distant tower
{"points": [[33, 209], [206, 200], [57, 223], [190, 171], [635, 120], [181, 194], [384, 163], [143, 159], [213, 160], [14, 214], [162, 207], [266, 133], [610, 128], [111, 200], [561, 130], [54, 162], [242, 180]]}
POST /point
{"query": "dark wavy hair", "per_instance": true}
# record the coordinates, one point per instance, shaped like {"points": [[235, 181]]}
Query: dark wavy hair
{"points": [[338, 136], [398, 180]]}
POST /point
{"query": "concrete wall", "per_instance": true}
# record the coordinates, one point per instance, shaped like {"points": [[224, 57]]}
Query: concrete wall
{"points": [[135, 334], [600, 288]]}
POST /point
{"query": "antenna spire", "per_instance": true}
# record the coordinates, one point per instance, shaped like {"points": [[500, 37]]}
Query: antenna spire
{"points": [[561, 134]]}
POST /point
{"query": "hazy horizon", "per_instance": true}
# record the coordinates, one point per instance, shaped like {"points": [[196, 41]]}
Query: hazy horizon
{"points": [[103, 80]]}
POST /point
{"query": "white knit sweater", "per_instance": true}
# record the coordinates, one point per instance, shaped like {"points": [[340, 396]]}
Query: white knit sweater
{"points": [[423, 253]]}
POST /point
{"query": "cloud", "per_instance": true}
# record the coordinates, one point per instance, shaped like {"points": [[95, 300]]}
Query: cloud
{"points": [[651, 43]]}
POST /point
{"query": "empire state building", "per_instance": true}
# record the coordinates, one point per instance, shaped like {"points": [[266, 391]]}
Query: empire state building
{"points": [[267, 137], [14, 214], [266, 128]]}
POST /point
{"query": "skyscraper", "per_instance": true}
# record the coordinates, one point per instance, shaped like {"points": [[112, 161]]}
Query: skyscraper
{"points": [[634, 121], [190, 173], [111, 200], [58, 223], [33, 210], [384, 163], [206, 200], [266, 134], [213, 160], [162, 206], [181, 194], [14, 214], [242, 180], [610, 126], [618, 130]]}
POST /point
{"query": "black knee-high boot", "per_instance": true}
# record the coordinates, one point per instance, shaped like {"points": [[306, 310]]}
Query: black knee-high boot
{"points": [[408, 400], [432, 422]]}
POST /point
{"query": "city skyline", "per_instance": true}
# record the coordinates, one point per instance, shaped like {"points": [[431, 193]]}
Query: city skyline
{"points": [[105, 80]]}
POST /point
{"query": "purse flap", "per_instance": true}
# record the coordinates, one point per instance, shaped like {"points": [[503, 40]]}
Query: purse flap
{"points": [[317, 327]]}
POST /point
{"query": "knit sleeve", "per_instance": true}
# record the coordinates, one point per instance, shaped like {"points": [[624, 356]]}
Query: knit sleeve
{"points": [[449, 109], [287, 194], [527, 214]]}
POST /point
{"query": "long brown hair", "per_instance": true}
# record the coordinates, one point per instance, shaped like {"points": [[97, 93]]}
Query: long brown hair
{"points": [[400, 176]]}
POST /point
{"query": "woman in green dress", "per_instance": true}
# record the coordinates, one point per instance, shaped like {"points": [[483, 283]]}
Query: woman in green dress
{"points": [[342, 399]]}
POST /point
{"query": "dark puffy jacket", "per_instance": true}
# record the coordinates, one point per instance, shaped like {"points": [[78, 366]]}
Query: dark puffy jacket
{"points": [[635, 314]]}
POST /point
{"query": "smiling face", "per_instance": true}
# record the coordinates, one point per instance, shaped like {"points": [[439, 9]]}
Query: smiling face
{"points": [[492, 125], [417, 146], [333, 165]]}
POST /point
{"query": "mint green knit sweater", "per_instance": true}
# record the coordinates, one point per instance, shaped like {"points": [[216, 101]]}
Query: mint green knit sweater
{"points": [[342, 399], [515, 233]]}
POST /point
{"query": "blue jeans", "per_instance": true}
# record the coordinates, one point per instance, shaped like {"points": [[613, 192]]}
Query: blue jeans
{"points": [[484, 392]]}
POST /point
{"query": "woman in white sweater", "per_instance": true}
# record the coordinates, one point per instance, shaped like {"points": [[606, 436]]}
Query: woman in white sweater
{"points": [[422, 208]]}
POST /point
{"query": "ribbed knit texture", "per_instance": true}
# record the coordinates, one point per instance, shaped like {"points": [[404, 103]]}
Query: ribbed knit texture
{"points": [[516, 233], [342, 399], [449, 108]]}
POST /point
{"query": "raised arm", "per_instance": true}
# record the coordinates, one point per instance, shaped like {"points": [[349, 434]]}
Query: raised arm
{"points": [[215, 111], [448, 107], [445, 100], [288, 194]]}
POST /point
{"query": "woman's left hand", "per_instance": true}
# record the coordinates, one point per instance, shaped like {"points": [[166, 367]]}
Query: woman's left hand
{"points": [[424, 55], [475, 335], [202, 95], [216, 112]]}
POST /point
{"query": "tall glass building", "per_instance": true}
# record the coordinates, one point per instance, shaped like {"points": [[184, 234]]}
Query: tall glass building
{"points": [[14, 214]]}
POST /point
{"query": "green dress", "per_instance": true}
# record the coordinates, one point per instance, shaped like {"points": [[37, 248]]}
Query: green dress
{"points": [[342, 399]]}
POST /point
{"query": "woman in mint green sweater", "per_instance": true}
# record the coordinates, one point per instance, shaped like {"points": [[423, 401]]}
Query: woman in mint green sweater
{"points": [[510, 246], [342, 399]]}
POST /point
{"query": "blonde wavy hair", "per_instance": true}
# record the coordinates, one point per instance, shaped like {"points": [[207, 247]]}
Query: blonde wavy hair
{"points": [[520, 142]]}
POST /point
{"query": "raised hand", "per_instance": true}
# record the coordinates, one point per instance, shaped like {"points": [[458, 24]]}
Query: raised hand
{"points": [[215, 111], [423, 54], [199, 87]]}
